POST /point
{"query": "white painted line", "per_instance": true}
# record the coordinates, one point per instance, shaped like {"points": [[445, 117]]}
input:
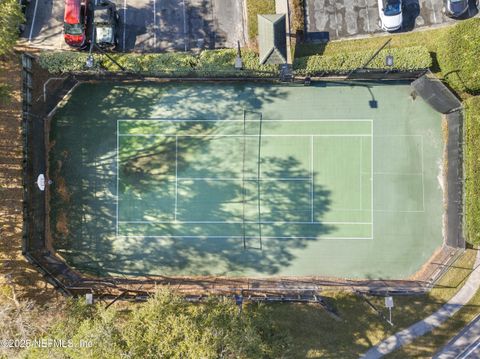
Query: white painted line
{"points": [[220, 136], [368, 17], [242, 222], [118, 165], [361, 173], [241, 237], [176, 173], [394, 173], [312, 210], [154, 23], [33, 22], [423, 180], [371, 176], [160, 119], [241, 179], [124, 22], [184, 25], [433, 12]]}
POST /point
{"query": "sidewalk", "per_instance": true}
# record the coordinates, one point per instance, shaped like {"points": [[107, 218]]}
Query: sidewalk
{"points": [[406, 336]]}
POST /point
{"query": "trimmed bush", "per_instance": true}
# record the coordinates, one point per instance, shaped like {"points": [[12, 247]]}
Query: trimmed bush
{"points": [[209, 63], [459, 56], [409, 58], [472, 169]]}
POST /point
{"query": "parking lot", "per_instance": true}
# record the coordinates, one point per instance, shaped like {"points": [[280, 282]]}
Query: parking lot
{"points": [[185, 25], [149, 25], [335, 19]]}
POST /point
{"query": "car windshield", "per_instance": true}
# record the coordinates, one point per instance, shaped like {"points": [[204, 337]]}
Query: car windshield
{"points": [[73, 29], [392, 8], [455, 1]]}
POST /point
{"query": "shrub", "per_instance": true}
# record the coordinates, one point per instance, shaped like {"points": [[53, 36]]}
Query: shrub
{"points": [[459, 56], [167, 327], [472, 169], [409, 58], [209, 63]]}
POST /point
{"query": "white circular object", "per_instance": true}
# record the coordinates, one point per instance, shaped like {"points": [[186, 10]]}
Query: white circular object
{"points": [[41, 182]]}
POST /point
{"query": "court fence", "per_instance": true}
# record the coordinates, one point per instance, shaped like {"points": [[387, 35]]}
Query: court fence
{"points": [[41, 95]]}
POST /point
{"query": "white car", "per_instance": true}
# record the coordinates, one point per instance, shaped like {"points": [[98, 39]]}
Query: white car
{"points": [[390, 12]]}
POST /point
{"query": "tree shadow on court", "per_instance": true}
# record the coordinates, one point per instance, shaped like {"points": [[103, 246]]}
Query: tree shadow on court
{"points": [[227, 220], [82, 159]]}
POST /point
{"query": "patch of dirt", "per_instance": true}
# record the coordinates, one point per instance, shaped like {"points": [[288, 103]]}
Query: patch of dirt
{"points": [[15, 272], [62, 224]]}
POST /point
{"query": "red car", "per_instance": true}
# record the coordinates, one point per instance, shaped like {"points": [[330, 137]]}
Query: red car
{"points": [[74, 23]]}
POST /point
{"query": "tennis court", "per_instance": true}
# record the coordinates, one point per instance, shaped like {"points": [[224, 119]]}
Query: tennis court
{"points": [[246, 179]]}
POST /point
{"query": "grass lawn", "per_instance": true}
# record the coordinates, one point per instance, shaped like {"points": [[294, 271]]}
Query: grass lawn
{"points": [[255, 7], [317, 335], [428, 38], [472, 168]]}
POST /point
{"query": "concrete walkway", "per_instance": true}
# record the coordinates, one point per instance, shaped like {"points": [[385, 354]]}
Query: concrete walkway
{"points": [[406, 336], [464, 344]]}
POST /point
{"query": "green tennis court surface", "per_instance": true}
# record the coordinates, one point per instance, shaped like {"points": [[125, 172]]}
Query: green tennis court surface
{"points": [[247, 179]]}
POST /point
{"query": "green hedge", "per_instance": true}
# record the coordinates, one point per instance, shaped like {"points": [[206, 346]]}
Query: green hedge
{"points": [[209, 63], [472, 169], [459, 56], [409, 58]]}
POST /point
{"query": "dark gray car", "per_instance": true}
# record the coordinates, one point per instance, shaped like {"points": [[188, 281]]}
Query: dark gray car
{"points": [[455, 8], [105, 20]]}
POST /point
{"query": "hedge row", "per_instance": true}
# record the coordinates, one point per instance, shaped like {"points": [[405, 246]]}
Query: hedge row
{"points": [[409, 58], [459, 56], [209, 63], [472, 169]]}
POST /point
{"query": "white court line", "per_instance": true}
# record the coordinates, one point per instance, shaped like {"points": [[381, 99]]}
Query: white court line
{"points": [[118, 179], [242, 222], [423, 181], [371, 176], [33, 22], [394, 173], [312, 184], [207, 135], [241, 179], [361, 173], [176, 178], [241, 237], [124, 23], [160, 119]]}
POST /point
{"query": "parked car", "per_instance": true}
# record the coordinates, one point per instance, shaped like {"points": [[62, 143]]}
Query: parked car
{"points": [[455, 8], [75, 23], [390, 12], [105, 20]]}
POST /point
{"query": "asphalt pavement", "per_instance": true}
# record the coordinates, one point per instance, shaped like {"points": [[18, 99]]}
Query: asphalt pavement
{"points": [[149, 25], [337, 19]]}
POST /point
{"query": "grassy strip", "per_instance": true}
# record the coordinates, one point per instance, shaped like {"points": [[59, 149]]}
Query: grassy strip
{"points": [[410, 58], [472, 169], [459, 54], [425, 346], [214, 63], [255, 7], [314, 334], [427, 38]]}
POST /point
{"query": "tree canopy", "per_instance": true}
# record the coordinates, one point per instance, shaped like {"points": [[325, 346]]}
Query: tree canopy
{"points": [[11, 17]]}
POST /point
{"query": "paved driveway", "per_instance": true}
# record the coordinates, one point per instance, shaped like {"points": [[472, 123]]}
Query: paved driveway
{"points": [[335, 19], [149, 25]]}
